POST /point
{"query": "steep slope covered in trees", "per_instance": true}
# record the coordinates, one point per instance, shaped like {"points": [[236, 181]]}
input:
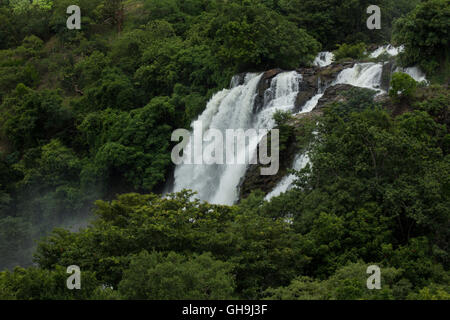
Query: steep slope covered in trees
{"points": [[87, 115]]}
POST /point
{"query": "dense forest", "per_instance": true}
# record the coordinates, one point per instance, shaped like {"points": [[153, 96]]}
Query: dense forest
{"points": [[86, 118]]}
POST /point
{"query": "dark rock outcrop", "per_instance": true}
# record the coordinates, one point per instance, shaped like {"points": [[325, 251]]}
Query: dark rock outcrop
{"points": [[334, 94], [315, 80], [386, 75], [238, 79], [309, 86], [263, 85], [254, 180]]}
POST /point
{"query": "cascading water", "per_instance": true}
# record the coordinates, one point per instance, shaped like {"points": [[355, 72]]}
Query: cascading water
{"points": [[323, 59], [311, 104], [287, 182], [389, 49], [233, 109], [414, 72], [365, 75], [280, 96]]}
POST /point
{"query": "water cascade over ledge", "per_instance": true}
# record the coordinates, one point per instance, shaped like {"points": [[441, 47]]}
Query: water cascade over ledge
{"points": [[234, 109]]}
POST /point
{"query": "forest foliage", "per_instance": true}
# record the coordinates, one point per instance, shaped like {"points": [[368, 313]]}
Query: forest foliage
{"points": [[87, 115]]}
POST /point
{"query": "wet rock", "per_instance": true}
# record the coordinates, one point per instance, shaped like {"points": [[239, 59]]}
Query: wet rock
{"points": [[329, 73], [253, 180], [331, 95], [309, 86], [238, 79], [315, 80], [386, 75], [334, 94], [263, 85]]}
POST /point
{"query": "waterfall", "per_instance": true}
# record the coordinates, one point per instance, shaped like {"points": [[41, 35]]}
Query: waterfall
{"points": [[300, 162], [414, 72], [365, 75], [323, 59], [389, 49], [280, 96], [233, 109]]}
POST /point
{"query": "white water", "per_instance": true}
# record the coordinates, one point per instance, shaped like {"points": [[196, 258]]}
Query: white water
{"points": [[233, 109], [280, 96], [414, 72], [287, 182], [311, 104], [365, 75], [323, 59], [389, 49]]}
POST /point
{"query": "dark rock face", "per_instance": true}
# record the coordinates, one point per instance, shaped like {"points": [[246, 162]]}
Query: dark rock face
{"points": [[263, 85], [309, 86], [238, 80], [333, 94], [386, 75], [254, 180], [315, 80]]}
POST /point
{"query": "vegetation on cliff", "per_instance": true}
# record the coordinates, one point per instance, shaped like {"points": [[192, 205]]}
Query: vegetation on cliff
{"points": [[87, 115]]}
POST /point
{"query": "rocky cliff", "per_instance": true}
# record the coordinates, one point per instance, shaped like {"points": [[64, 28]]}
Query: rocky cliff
{"points": [[302, 133]]}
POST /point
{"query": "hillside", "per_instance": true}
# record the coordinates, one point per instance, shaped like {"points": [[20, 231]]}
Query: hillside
{"points": [[87, 178]]}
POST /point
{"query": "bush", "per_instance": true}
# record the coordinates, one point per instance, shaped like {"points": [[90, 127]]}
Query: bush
{"points": [[353, 51], [154, 276], [424, 33], [403, 86]]}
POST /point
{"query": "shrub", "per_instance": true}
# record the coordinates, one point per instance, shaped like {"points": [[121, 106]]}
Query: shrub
{"points": [[353, 51], [403, 86]]}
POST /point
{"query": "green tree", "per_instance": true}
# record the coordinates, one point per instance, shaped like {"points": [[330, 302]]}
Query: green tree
{"points": [[158, 277], [424, 33], [346, 51], [403, 87]]}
